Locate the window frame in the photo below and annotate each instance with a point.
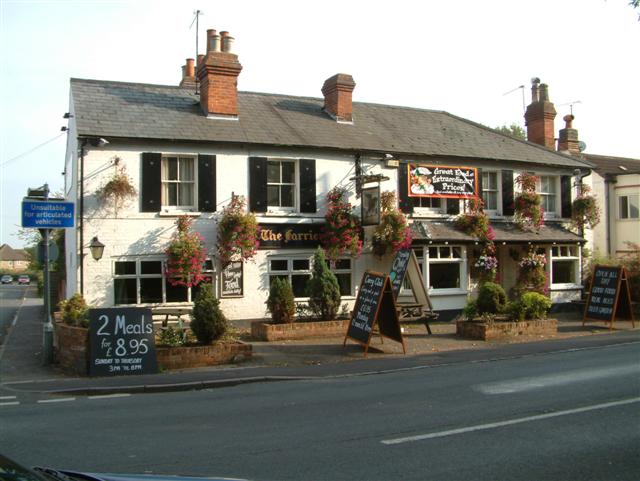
(555, 181)
(420, 211)
(194, 183)
(425, 260)
(296, 185)
(628, 216)
(138, 276)
(290, 271)
(565, 252)
(498, 190)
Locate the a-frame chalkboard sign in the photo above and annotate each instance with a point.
(375, 305)
(609, 296)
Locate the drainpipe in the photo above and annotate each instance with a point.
(83, 143)
(608, 180)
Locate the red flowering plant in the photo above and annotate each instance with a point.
(341, 232)
(185, 255)
(238, 232)
(475, 222)
(393, 230)
(529, 214)
(585, 210)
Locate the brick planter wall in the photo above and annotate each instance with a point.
(264, 331)
(71, 350)
(504, 330)
(202, 356)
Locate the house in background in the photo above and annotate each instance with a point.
(616, 183)
(188, 153)
(13, 259)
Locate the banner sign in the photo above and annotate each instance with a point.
(442, 181)
(288, 236)
(47, 214)
(609, 296)
(121, 342)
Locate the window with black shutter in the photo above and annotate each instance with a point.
(404, 201)
(206, 183)
(508, 206)
(150, 191)
(565, 196)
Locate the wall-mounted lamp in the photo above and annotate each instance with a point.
(67, 115)
(390, 161)
(97, 248)
(64, 129)
(98, 142)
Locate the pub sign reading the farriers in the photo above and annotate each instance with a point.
(442, 181)
(121, 342)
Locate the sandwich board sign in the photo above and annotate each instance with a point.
(375, 306)
(121, 342)
(609, 296)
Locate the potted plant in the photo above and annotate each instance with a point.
(341, 232)
(280, 302)
(584, 210)
(532, 275)
(238, 232)
(118, 189)
(185, 255)
(529, 214)
(393, 230)
(323, 289)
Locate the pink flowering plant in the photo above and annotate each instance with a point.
(585, 210)
(238, 232)
(341, 232)
(529, 213)
(533, 276)
(185, 255)
(393, 230)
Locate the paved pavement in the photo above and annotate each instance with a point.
(21, 368)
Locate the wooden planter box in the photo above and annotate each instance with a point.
(71, 348)
(223, 352)
(506, 329)
(265, 331)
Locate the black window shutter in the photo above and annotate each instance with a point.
(404, 201)
(151, 182)
(308, 185)
(508, 206)
(206, 183)
(479, 191)
(258, 184)
(565, 195)
(453, 206)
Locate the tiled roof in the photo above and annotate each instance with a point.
(441, 231)
(129, 110)
(8, 253)
(605, 164)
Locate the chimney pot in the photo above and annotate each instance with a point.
(190, 69)
(227, 44)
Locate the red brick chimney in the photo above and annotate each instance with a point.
(568, 138)
(539, 116)
(337, 92)
(188, 75)
(218, 75)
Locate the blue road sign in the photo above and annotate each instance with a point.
(47, 214)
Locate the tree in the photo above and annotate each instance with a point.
(514, 130)
(208, 322)
(323, 289)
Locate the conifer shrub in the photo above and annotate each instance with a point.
(280, 302)
(208, 322)
(323, 289)
(491, 299)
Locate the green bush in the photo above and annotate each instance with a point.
(208, 322)
(491, 299)
(75, 311)
(531, 305)
(470, 311)
(171, 337)
(323, 289)
(280, 302)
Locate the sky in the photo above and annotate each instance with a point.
(467, 57)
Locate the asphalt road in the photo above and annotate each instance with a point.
(10, 299)
(567, 415)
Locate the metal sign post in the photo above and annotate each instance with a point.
(44, 214)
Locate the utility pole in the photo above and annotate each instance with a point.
(47, 327)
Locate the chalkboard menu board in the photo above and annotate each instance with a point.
(121, 342)
(399, 269)
(375, 303)
(232, 280)
(609, 295)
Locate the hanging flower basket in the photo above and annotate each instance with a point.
(238, 232)
(392, 232)
(118, 189)
(341, 232)
(185, 255)
(585, 210)
(529, 213)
